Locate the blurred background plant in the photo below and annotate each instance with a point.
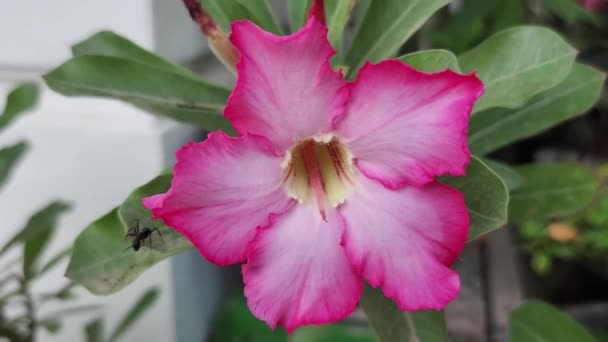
(20, 317)
(94, 330)
(532, 321)
(582, 236)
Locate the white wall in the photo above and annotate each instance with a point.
(91, 152)
(37, 34)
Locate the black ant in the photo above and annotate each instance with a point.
(140, 236)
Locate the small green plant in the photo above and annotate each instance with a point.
(15, 283)
(19, 274)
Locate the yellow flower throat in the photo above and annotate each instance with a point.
(319, 170)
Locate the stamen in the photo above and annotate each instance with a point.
(337, 159)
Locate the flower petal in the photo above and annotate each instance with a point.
(286, 89)
(223, 189)
(297, 272)
(406, 127)
(404, 240)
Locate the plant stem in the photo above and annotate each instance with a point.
(30, 309)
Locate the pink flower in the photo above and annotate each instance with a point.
(594, 5)
(330, 182)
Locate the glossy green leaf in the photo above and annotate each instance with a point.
(37, 226)
(386, 26)
(539, 322)
(110, 44)
(432, 60)
(393, 325)
(139, 308)
(297, 11)
(509, 175)
(101, 258)
(21, 99)
(512, 74)
(37, 234)
(263, 14)
(8, 159)
(577, 94)
(333, 333)
(486, 196)
(338, 13)
(94, 330)
(551, 190)
(157, 90)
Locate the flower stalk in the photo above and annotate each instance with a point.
(219, 41)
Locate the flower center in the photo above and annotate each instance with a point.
(319, 169)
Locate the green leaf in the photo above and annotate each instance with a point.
(157, 90)
(297, 11)
(541, 262)
(360, 11)
(8, 159)
(513, 74)
(38, 225)
(432, 60)
(21, 99)
(224, 12)
(235, 323)
(110, 44)
(509, 14)
(486, 196)
(94, 330)
(36, 235)
(509, 175)
(386, 26)
(391, 324)
(101, 259)
(264, 16)
(540, 322)
(462, 29)
(551, 190)
(577, 94)
(571, 11)
(338, 12)
(332, 333)
(139, 308)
